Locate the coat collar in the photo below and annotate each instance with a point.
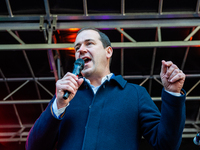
(120, 80)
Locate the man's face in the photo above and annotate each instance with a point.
(89, 47)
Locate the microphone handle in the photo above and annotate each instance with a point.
(66, 95)
(75, 71)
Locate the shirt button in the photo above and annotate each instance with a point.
(90, 106)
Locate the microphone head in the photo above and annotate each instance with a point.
(78, 66)
(79, 62)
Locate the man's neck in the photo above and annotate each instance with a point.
(96, 80)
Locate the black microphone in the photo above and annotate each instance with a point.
(78, 67)
(196, 139)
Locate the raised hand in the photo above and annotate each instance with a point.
(172, 77)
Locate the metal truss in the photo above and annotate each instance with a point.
(119, 16)
(50, 22)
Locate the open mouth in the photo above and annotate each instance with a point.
(86, 60)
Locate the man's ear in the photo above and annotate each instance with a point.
(109, 52)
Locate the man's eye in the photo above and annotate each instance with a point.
(76, 48)
(89, 43)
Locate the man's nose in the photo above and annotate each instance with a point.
(82, 49)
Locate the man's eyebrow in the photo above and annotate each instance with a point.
(87, 40)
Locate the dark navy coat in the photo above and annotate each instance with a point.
(115, 118)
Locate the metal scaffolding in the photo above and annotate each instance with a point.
(121, 22)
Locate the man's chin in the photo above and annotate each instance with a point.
(85, 72)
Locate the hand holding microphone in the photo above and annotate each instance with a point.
(67, 87)
(78, 67)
